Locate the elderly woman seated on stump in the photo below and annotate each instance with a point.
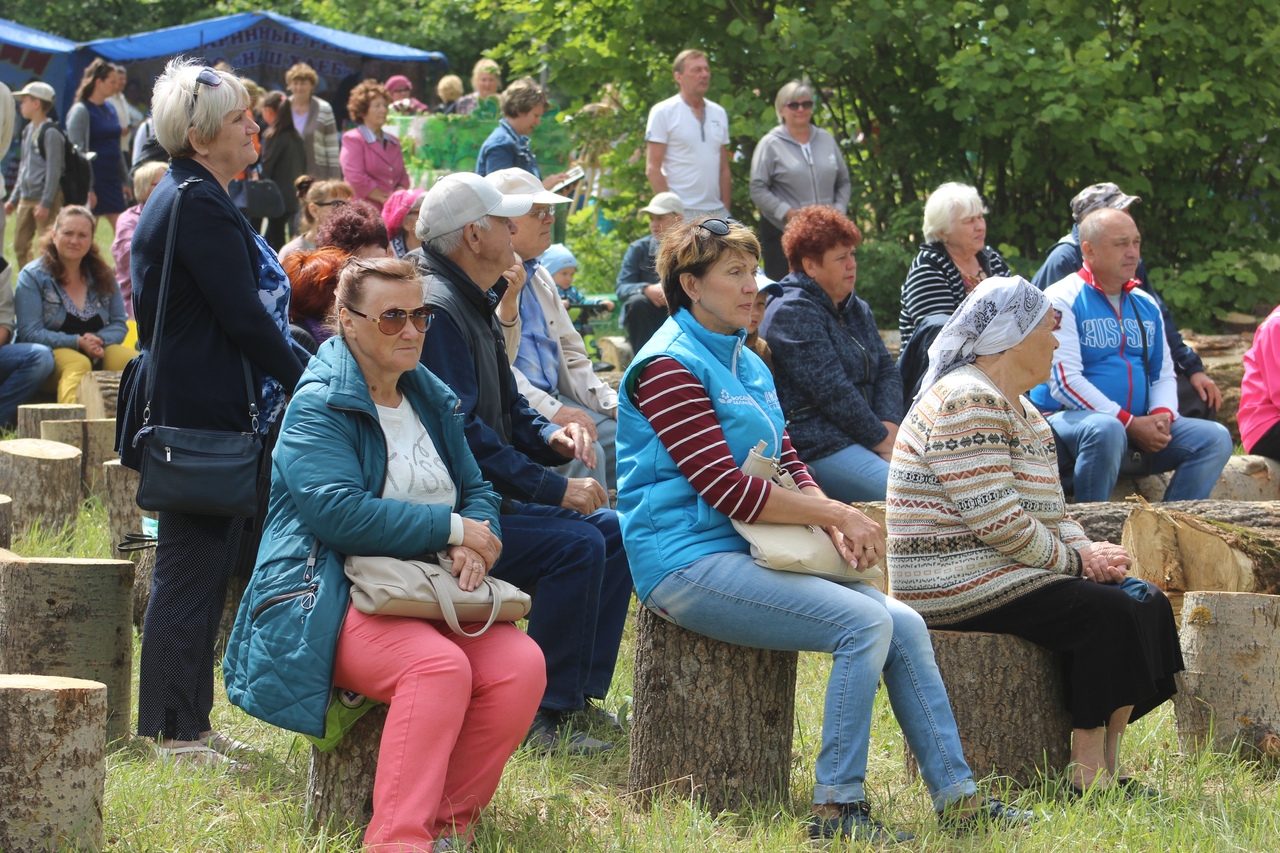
(693, 406)
(979, 539)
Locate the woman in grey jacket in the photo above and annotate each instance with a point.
(795, 165)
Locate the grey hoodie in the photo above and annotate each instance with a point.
(782, 177)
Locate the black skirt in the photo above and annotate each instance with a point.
(1116, 650)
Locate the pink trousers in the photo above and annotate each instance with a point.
(458, 708)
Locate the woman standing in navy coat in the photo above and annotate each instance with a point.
(227, 297)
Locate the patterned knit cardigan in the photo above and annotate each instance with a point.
(976, 516)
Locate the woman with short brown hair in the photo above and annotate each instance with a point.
(371, 159)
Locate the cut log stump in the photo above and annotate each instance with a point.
(70, 617)
(712, 720)
(616, 350)
(52, 763)
(1009, 700)
(1180, 553)
(31, 415)
(43, 478)
(144, 569)
(120, 487)
(98, 393)
(6, 521)
(1248, 478)
(340, 783)
(1228, 698)
(95, 440)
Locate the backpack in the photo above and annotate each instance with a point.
(77, 170)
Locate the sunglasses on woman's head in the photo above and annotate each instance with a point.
(799, 105)
(391, 322)
(208, 77)
(333, 202)
(718, 227)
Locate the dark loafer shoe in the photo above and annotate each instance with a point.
(854, 822)
(989, 813)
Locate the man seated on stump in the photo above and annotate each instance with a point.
(1112, 396)
(548, 356)
(1198, 395)
(558, 535)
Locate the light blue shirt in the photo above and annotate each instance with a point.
(539, 355)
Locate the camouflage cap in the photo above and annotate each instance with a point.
(1097, 197)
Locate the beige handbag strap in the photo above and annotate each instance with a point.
(451, 615)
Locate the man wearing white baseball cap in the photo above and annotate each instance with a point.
(555, 535)
(548, 356)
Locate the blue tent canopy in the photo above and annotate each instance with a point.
(192, 37)
(13, 33)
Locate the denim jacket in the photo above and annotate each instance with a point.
(41, 310)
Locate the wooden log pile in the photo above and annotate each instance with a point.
(1182, 553)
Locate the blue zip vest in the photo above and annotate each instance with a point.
(666, 525)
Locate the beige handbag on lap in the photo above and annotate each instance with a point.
(801, 548)
(389, 587)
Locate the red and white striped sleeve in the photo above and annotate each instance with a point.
(677, 407)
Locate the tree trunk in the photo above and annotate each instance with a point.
(52, 763)
(1228, 697)
(1009, 700)
(340, 783)
(1180, 553)
(96, 441)
(98, 392)
(1104, 521)
(31, 415)
(6, 522)
(70, 617)
(712, 720)
(43, 478)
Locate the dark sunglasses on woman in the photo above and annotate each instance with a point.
(391, 322)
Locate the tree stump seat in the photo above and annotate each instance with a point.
(31, 415)
(712, 721)
(70, 617)
(1009, 700)
(95, 439)
(43, 478)
(340, 782)
(52, 763)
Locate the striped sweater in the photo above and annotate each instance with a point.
(935, 285)
(975, 514)
(677, 406)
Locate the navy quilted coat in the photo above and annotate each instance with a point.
(326, 476)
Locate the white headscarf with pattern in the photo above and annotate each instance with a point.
(997, 315)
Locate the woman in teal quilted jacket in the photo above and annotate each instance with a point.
(371, 460)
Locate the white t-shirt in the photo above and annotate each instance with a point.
(692, 161)
(300, 118)
(415, 471)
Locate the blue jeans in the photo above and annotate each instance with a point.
(23, 369)
(852, 474)
(575, 568)
(1094, 444)
(728, 597)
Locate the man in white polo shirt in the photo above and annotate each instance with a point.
(688, 142)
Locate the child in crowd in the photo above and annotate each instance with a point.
(37, 198)
(563, 266)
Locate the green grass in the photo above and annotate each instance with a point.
(558, 804)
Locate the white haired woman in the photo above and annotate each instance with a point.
(795, 165)
(950, 264)
(979, 539)
(227, 297)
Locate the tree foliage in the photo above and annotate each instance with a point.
(1175, 100)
